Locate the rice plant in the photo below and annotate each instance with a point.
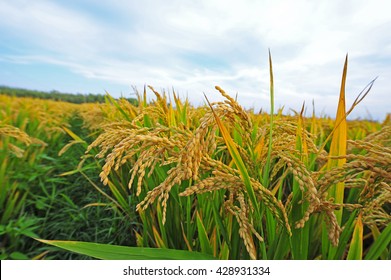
(222, 182)
(232, 184)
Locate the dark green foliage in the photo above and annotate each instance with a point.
(57, 96)
(59, 207)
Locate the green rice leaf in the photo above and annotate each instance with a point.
(115, 103)
(380, 244)
(356, 245)
(339, 143)
(203, 236)
(114, 252)
(233, 151)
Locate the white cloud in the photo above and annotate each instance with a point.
(194, 45)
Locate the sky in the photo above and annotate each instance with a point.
(91, 46)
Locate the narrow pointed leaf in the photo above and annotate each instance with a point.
(114, 252)
(380, 244)
(233, 151)
(339, 143)
(356, 245)
(203, 236)
(115, 103)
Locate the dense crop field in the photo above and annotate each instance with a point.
(211, 182)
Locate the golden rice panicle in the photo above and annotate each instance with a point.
(374, 162)
(146, 159)
(220, 180)
(94, 115)
(20, 136)
(141, 142)
(369, 170)
(196, 148)
(161, 101)
(246, 229)
(175, 176)
(235, 114)
(374, 207)
(187, 165)
(16, 133)
(334, 230)
(302, 176)
(381, 137)
(193, 157)
(238, 110)
(274, 205)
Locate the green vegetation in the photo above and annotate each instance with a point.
(57, 96)
(167, 180)
(36, 200)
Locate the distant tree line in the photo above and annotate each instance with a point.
(57, 96)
